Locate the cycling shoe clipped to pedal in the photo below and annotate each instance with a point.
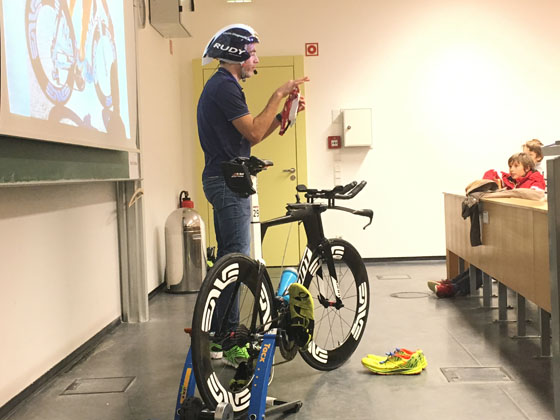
(243, 376)
(302, 320)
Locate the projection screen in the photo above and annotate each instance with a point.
(68, 72)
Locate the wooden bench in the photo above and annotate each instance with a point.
(514, 251)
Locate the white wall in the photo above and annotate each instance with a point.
(59, 266)
(59, 274)
(165, 158)
(455, 86)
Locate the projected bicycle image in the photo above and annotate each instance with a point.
(73, 54)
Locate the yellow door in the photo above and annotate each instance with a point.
(277, 184)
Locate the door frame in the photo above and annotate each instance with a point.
(296, 62)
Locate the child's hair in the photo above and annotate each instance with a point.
(534, 146)
(524, 159)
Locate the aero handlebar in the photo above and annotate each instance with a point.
(340, 192)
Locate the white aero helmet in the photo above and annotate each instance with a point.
(229, 44)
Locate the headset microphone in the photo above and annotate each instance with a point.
(255, 72)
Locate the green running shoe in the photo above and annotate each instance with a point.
(301, 315)
(404, 353)
(216, 351)
(394, 365)
(235, 356)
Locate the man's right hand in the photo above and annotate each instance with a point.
(287, 87)
(258, 128)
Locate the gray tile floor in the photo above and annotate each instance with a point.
(452, 332)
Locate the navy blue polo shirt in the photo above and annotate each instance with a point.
(221, 102)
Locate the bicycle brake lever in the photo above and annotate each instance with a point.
(366, 213)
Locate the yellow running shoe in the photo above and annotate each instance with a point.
(402, 353)
(394, 365)
(301, 315)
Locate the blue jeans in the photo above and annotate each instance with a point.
(232, 223)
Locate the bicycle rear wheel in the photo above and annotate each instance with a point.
(337, 332)
(213, 377)
(104, 63)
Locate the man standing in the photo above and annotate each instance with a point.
(227, 130)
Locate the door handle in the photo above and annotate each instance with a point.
(290, 170)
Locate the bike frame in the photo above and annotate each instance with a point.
(310, 215)
(266, 317)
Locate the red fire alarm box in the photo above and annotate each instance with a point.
(334, 142)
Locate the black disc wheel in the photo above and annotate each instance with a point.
(233, 279)
(338, 331)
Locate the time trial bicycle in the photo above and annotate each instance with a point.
(331, 269)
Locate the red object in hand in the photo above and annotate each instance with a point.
(290, 110)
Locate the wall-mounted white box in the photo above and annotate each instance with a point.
(357, 127)
(165, 17)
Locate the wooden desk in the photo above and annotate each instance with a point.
(515, 244)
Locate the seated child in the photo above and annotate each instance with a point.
(522, 174)
(533, 149)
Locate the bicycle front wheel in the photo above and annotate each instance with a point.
(51, 46)
(213, 377)
(337, 332)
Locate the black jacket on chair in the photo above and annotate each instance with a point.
(470, 206)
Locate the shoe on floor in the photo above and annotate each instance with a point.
(235, 356)
(445, 290)
(301, 315)
(394, 365)
(432, 284)
(404, 353)
(216, 351)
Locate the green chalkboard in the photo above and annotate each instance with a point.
(24, 161)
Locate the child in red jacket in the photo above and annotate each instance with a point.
(522, 174)
(534, 149)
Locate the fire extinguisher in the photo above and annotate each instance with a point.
(185, 201)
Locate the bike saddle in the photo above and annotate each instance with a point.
(237, 173)
(256, 165)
